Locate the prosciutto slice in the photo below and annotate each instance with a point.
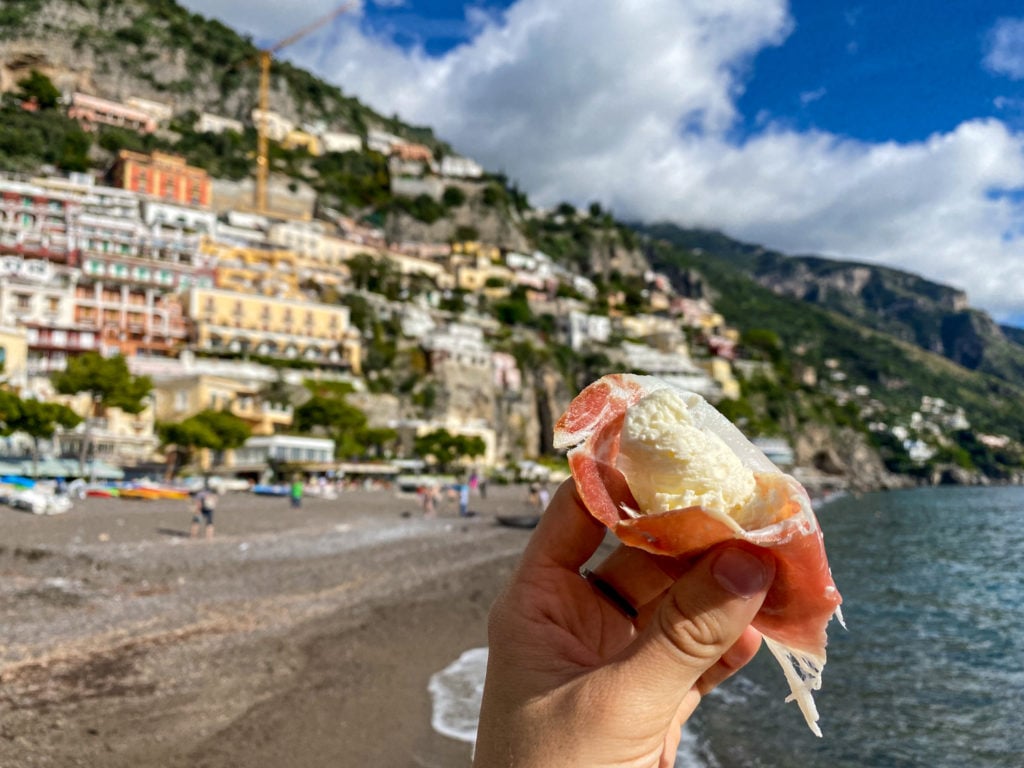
(803, 596)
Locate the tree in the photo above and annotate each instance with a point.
(35, 418)
(444, 447)
(40, 420)
(107, 380)
(213, 430)
(39, 88)
(110, 385)
(346, 425)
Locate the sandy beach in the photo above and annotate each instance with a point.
(296, 637)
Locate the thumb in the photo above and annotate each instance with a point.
(700, 618)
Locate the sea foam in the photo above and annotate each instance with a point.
(456, 692)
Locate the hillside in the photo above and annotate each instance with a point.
(881, 377)
(907, 307)
(156, 49)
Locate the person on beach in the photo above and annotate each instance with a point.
(543, 498)
(295, 492)
(205, 502)
(463, 500)
(603, 668)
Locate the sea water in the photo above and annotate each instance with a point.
(929, 673)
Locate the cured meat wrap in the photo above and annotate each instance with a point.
(669, 474)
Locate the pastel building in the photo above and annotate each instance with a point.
(36, 222)
(211, 123)
(179, 398)
(239, 323)
(92, 111)
(163, 176)
(337, 141)
(460, 167)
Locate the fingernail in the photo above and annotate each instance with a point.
(740, 572)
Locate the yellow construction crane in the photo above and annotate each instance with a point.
(262, 159)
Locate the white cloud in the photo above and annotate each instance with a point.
(1005, 49)
(585, 100)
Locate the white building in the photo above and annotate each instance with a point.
(381, 141)
(311, 240)
(417, 322)
(277, 126)
(210, 123)
(460, 343)
(34, 295)
(582, 329)
(674, 367)
(158, 110)
(160, 214)
(336, 141)
(461, 167)
(291, 449)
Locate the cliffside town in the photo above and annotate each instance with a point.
(383, 265)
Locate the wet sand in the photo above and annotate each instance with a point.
(296, 637)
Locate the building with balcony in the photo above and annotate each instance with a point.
(675, 367)
(36, 222)
(112, 436)
(460, 343)
(254, 270)
(285, 449)
(179, 398)
(92, 111)
(163, 176)
(130, 319)
(158, 110)
(460, 167)
(225, 321)
(313, 241)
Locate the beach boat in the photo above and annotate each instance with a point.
(102, 492)
(270, 490)
(140, 492)
(40, 503)
(518, 521)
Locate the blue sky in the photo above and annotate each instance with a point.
(884, 132)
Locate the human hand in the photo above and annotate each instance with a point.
(572, 681)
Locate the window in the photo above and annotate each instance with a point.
(23, 300)
(180, 401)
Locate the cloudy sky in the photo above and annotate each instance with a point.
(878, 131)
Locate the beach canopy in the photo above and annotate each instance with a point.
(66, 468)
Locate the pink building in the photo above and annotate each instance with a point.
(91, 111)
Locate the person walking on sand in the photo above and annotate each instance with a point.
(205, 503)
(295, 492)
(543, 497)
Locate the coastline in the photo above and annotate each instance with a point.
(294, 637)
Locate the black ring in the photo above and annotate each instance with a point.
(610, 593)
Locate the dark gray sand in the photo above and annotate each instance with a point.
(294, 638)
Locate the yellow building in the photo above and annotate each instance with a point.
(721, 371)
(254, 270)
(296, 139)
(13, 356)
(232, 322)
(494, 280)
(178, 399)
(476, 250)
